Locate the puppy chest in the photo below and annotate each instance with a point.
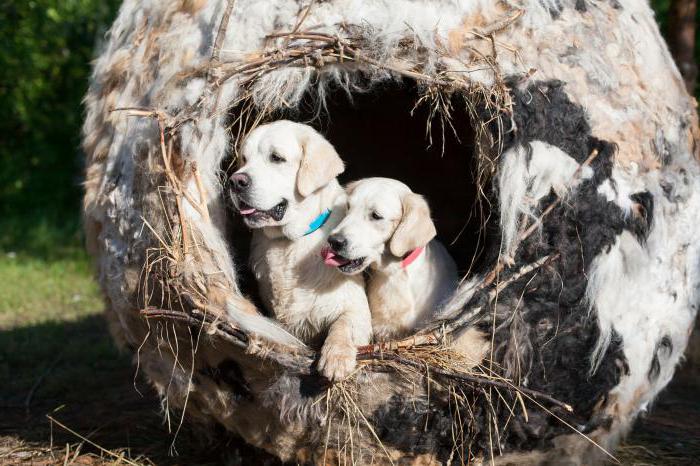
(301, 292)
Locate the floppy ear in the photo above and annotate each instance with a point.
(416, 228)
(350, 187)
(320, 163)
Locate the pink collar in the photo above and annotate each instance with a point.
(412, 256)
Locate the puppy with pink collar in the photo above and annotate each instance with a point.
(388, 232)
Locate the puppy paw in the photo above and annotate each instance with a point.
(337, 360)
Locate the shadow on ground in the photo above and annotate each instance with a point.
(73, 373)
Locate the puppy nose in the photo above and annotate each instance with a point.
(337, 242)
(241, 181)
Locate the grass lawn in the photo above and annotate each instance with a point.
(35, 291)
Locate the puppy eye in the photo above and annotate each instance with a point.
(376, 216)
(276, 158)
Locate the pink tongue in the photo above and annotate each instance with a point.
(330, 258)
(247, 211)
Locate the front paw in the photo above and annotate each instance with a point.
(337, 360)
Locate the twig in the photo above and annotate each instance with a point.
(501, 24)
(468, 378)
(300, 21)
(39, 380)
(174, 181)
(202, 192)
(436, 334)
(298, 363)
(221, 33)
(536, 224)
(87, 440)
(222, 328)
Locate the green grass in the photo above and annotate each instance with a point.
(35, 290)
(49, 309)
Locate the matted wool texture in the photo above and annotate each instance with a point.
(586, 149)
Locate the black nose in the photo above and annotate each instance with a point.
(337, 242)
(240, 181)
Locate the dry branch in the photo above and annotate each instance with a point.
(221, 33)
(378, 357)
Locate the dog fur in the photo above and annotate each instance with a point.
(291, 162)
(385, 222)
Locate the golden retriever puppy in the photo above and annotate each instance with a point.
(287, 192)
(388, 229)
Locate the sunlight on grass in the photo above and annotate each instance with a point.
(36, 290)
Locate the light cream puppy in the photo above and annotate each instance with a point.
(286, 190)
(388, 229)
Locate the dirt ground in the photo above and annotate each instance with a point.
(65, 405)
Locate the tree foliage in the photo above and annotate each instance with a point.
(45, 58)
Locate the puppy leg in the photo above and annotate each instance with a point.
(339, 352)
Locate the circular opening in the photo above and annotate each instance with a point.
(393, 131)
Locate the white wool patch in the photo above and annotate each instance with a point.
(620, 187)
(465, 292)
(526, 176)
(647, 292)
(262, 327)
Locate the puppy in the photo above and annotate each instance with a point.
(388, 229)
(287, 192)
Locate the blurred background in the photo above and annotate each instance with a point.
(56, 359)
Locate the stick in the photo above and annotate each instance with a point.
(446, 327)
(202, 192)
(468, 378)
(224, 329)
(174, 181)
(221, 33)
(39, 380)
(87, 440)
(536, 224)
(298, 363)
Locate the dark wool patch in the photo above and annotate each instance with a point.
(542, 111)
(664, 348)
(544, 331)
(311, 386)
(554, 8)
(644, 217)
(230, 373)
(546, 316)
(581, 6)
(416, 427)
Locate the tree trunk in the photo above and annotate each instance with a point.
(681, 39)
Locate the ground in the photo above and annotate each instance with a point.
(67, 395)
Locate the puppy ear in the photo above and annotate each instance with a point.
(416, 228)
(320, 163)
(350, 187)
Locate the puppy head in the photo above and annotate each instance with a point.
(383, 216)
(282, 163)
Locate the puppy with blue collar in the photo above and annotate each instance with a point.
(388, 232)
(286, 191)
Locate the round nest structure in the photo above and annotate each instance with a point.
(556, 143)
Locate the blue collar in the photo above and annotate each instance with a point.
(318, 222)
